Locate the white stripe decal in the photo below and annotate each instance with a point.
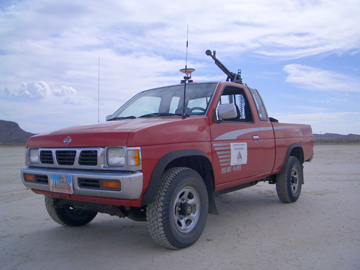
(225, 164)
(223, 152)
(232, 135)
(224, 156)
(288, 127)
(221, 144)
(221, 148)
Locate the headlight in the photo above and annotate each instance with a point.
(116, 157)
(34, 155)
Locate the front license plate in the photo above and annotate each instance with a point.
(61, 183)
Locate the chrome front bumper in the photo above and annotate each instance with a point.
(131, 182)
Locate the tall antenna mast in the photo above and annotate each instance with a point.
(187, 46)
(99, 92)
(187, 72)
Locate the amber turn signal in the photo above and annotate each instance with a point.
(134, 158)
(29, 177)
(111, 185)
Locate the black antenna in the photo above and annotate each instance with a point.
(99, 92)
(187, 72)
(187, 46)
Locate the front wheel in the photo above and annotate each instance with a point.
(289, 182)
(177, 216)
(68, 215)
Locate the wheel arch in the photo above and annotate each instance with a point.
(191, 158)
(294, 150)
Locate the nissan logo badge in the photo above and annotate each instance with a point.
(67, 140)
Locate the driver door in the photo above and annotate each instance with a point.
(234, 141)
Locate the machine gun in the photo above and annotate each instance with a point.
(236, 78)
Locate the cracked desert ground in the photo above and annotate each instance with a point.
(253, 231)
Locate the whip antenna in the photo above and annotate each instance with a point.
(99, 92)
(187, 46)
(187, 72)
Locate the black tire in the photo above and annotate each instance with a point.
(67, 215)
(289, 182)
(177, 216)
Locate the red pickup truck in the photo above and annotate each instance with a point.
(154, 160)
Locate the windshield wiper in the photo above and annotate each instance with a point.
(158, 114)
(122, 118)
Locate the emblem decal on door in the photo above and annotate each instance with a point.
(225, 151)
(238, 153)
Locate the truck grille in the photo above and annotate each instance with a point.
(65, 157)
(79, 158)
(89, 183)
(88, 158)
(42, 179)
(46, 157)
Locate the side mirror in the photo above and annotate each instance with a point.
(108, 117)
(227, 111)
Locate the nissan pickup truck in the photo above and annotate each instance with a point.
(165, 155)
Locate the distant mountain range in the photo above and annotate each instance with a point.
(11, 133)
(336, 138)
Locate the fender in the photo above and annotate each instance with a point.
(160, 167)
(288, 154)
(290, 149)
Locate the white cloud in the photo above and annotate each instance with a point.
(64, 90)
(78, 101)
(39, 91)
(289, 29)
(318, 79)
(30, 90)
(142, 45)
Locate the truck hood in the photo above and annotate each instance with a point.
(132, 132)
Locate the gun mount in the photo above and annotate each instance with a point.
(236, 78)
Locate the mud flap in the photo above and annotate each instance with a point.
(212, 206)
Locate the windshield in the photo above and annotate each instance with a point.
(168, 101)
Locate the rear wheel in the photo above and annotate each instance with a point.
(177, 216)
(289, 182)
(68, 215)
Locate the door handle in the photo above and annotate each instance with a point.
(255, 137)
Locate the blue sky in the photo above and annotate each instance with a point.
(303, 56)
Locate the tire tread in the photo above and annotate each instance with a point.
(59, 215)
(156, 210)
(282, 184)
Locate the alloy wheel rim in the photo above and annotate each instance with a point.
(186, 209)
(294, 180)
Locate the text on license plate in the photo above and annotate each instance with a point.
(61, 183)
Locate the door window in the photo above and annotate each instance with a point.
(259, 104)
(236, 96)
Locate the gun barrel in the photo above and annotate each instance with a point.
(223, 68)
(218, 63)
(231, 76)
